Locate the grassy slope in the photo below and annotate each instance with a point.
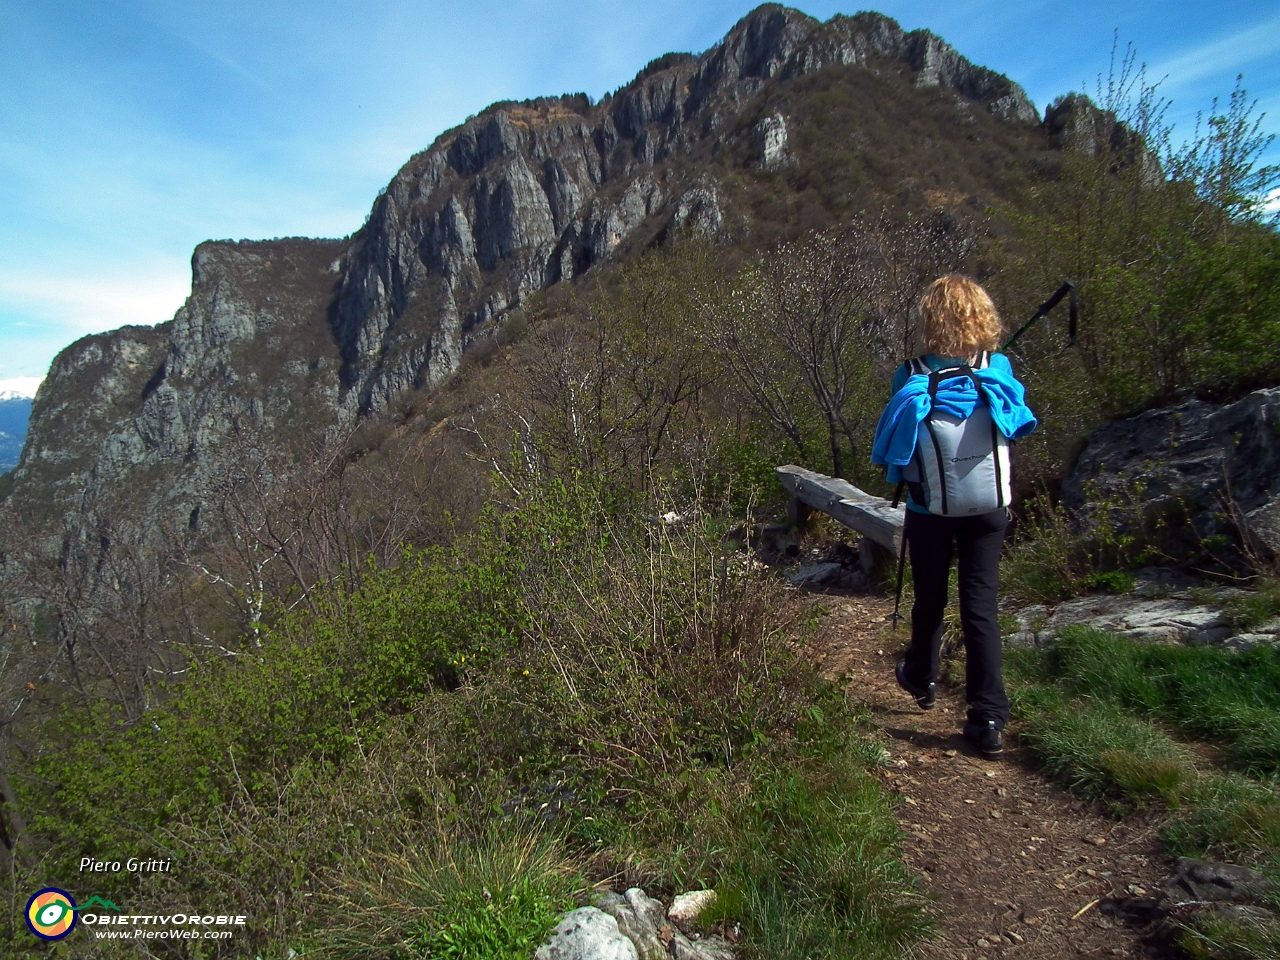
(1191, 729)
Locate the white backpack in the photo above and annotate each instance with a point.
(960, 467)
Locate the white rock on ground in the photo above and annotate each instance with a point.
(687, 907)
(1247, 641)
(1167, 620)
(707, 948)
(587, 934)
(823, 575)
(634, 926)
(1030, 621)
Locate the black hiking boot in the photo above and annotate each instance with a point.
(986, 737)
(924, 697)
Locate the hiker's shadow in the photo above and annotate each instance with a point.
(929, 741)
(934, 742)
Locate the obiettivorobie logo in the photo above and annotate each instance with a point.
(51, 913)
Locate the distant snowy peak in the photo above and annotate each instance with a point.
(19, 388)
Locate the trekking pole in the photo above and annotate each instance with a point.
(902, 562)
(1073, 314)
(897, 599)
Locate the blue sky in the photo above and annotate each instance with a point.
(130, 130)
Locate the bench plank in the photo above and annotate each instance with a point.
(873, 517)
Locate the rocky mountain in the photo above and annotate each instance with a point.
(284, 342)
(15, 412)
(137, 418)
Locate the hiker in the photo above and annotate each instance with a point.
(945, 436)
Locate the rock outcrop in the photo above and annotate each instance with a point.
(1077, 122)
(526, 195)
(1214, 470)
(286, 339)
(1199, 891)
(771, 142)
(1163, 607)
(1199, 477)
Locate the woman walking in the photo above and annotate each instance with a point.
(945, 435)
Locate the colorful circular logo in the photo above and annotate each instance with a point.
(51, 913)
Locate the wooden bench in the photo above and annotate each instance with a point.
(875, 518)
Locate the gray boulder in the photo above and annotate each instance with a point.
(1247, 641)
(704, 948)
(1198, 891)
(1031, 621)
(1168, 620)
(1263, 525)
(819, 575)
(1165, 606)
(1208, 882)
(642, 923)
(640, 920)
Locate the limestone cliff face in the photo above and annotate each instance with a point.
(281, 340)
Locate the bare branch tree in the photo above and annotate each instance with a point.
(806, 328)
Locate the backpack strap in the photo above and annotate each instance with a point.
(897, 494)
(949, 373)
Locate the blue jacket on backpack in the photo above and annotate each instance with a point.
(895, 439)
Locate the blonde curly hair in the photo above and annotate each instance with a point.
(958, 318)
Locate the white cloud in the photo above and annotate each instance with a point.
(86, 303)
(16, 387)
(1225, 55)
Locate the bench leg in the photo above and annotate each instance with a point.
(876, 560)
(798, 512)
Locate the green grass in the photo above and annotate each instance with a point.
(1230, 698)
(1230, 938)
(812, 861)
(1095, 748)
(1115, 719)
(495, 897)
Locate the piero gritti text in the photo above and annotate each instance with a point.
(131, 865)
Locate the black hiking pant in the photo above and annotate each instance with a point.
(931, 540)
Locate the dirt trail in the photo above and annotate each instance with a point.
(1018, 866)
